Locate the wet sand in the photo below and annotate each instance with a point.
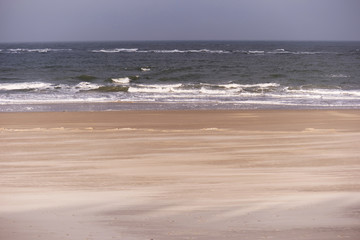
(274, 174)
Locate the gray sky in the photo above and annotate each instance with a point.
(78, 20)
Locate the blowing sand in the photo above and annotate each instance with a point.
(180, 175)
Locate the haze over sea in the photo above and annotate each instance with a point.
(179, 75)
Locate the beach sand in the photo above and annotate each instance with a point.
(161, 175)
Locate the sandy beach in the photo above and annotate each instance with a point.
(168, 175)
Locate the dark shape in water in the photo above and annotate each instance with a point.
(277, 75)
(86, 77)
(112, 89)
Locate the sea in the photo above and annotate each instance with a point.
(171, 75)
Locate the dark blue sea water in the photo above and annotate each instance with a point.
(179, 75)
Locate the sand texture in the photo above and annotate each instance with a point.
(164, 175)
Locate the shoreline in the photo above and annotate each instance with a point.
(161, 106)
(174, 174)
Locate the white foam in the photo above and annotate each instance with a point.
(325, 93)
(116, 50)
(124, 80)
(230, 85)
(258, 85)
(38, 50)
(145, 69)
(140, 88)
(188, 51)
(52, 100)
(311, 53)
(207, 51)
(279, 51)
(217, 92)
(25, 86)
(85, 86)
(338, 76)
(256, 52)
(168, 51)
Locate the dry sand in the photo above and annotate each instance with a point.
(180, 175)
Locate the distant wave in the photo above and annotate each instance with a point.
(35, 50)
(136, 50)
(166, 51)
(173, 51)
(115, 50)
(338, 76)
(189, 51)
(281, 51)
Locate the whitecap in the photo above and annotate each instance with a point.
(210, 91)
(144, 69)
(141, 88)
(260, 85)
(167, 51)
(85, 86)
(255, 52)
(124, 80)
(25, 86)
(188, 51)
(207, 51)
(36, 50)
(279, 51)
(116, 50)
(338, 76)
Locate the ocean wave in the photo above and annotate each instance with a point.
(209, 51)
(116, 50)
(35, 50)
(136, 50)
(256, 52)
(159, 88)
(260, 85)
(323, 93)
(86, 86)
(225, 89)
(279, 51)
(189, 51)
(125, 80)
(338, 75)
(25, 86)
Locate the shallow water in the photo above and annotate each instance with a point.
(178, 75)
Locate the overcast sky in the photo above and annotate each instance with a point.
(94, 20)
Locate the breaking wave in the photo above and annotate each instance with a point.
(125, 80)
(115, 50)
(136, 50)
(24, 86)
(35, 50)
